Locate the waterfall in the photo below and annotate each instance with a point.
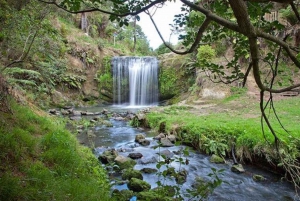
(135, 80)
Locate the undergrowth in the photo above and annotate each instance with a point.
(40, 160)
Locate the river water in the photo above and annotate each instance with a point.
(237, 187)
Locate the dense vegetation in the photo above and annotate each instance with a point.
(40, 160)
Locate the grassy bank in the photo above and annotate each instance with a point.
(233, 122)
(40, 160)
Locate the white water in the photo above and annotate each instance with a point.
(135, 81)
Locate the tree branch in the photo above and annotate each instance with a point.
(196, 42)
(105, 11)
(295, 10)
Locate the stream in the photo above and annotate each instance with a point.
(239, 187)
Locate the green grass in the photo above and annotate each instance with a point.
(40, 160)
(218, 131)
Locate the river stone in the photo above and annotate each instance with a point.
(141, 116)
(75, 118)
(155, 194)
(131, 173)
(172, 138)
(139, 137)
(137, 185)
(181, 176)
(108, 156)
(238, 168)
(148, 160)
(76, 113)
(124, 194)
(258, 177)
(135, 155)
(167, 153)
(148, 170)
(216, 159)
(119, 118)
(64, 112)
(159, 136)
(105, 111)
(124, 162)
(165, 142)
(144, 142)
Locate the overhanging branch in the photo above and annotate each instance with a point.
(105, 11)
(196, 42)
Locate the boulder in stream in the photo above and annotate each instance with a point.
(216, 159)
(139, 137)
(131, 173)
(165, 142)
(135, 155)
(159, 136)
(172, 138)
(238, 168)
(148, 160)
(181, 176)
(148, 170)
(124, 162)
(137, 185)
(144, 142)
(124, 194)
(167, 153)
(108, 156)
(258, 177)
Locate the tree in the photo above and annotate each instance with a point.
(241, 22)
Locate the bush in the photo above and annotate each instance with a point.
(205, 54)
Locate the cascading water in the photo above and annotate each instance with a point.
(135, 80)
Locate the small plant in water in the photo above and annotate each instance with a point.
(201, 188)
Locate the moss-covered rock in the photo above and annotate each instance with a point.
(139, 137)
(153, 196)
(124, 162)
(216, 159)
(123, 195)
(258, 177)
(238, 168)
(131, 173)
(108, 156)
(138, 185)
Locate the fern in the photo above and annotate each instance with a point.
(20, 81)
(17, 70)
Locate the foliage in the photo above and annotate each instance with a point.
(40, 160)
(162, 49)
(199, 191)
(168, 82)
(205, 54)
(104, 75)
